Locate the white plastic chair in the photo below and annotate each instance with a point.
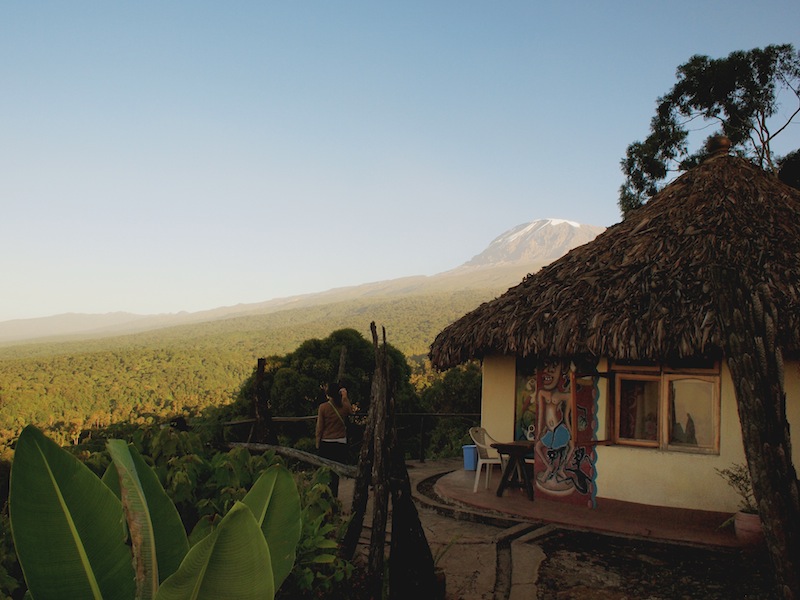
(486, 454)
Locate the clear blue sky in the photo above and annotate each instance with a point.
(166, 156)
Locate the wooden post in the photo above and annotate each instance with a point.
(380, 506)
(382, 462)
(411, 568)
(264, 431)
(301, 455)
(340, 373)
(259, 403)
(347, 548)
(422, 438)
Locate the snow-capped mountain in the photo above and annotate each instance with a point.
(512, 255)
(541, 240)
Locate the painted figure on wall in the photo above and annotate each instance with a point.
(554, 444)
(564, 460)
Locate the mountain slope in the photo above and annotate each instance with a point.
(102, 376)
(540, 241)
(509, 257)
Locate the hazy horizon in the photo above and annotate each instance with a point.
(473, 262)
(160, 158)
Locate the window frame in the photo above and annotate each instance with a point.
(667, 378)
(665, 375)
(618, 408)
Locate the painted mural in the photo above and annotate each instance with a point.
(564, 453)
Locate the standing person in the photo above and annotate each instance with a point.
(332, 430)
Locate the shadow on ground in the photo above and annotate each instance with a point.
(554, 562)
(593, 566)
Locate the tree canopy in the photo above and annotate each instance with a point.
(737, 96)
(295, 383)
(64, 386)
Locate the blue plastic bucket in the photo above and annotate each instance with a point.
(470, 457)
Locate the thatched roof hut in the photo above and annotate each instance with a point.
(643, 290)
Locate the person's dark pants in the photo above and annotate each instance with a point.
(337, 452)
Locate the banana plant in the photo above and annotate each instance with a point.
(68, 527)
(233, 561)
(157, 536)
(79, 537)
(275, 503)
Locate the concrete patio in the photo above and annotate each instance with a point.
(609, 516)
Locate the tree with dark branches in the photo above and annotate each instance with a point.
(736, 96)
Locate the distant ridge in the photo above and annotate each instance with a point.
(508, 258)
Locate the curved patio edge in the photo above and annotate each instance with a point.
(452, 495)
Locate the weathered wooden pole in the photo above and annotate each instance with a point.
(347, 547)
(264, 431)
(411, 568)
(381, 463)
(340, 372)
(380, 504)
(259, 403)
(301, 455)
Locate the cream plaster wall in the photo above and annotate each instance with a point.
(679, 479)
(792, 382)
(646, 475)
(498, 389)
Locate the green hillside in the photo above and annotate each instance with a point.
(65, 386)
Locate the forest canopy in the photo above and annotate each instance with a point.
(70, 386)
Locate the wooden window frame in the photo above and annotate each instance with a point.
(712, 370)
(664, 377)
(620, 377)
(715, 412)
(625, 367)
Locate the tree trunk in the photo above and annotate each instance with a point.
(748, 319)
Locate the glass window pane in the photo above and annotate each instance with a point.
(638, 409)
(691, 408)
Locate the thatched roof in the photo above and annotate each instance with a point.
(643, 290)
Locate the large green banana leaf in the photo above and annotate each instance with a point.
(157, 535)
(67, 525)
(232, 562)
(275, 503)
